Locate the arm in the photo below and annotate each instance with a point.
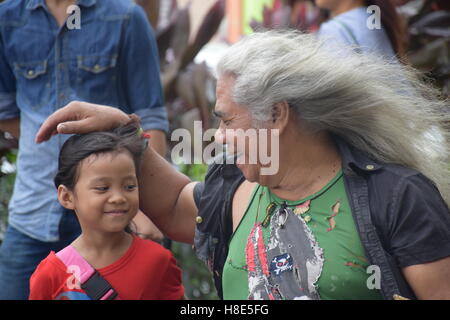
(430, 281)
(158, 141)
(146, 229)
(173, 212)
(11, 126)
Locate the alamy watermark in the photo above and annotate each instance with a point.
(74, 18)
(374, 21)
(251, 146)
(374, 280)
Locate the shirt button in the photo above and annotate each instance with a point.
(199, 219)
(96, 67)
(30, 72)
(370, 167)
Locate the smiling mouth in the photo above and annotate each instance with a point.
(116, 212)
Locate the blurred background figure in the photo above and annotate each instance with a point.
(349, 23)
(47, 59)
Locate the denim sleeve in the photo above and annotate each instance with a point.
(420, 232)
(8, 107)
(140, 73)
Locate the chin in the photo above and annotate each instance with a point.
(250, 172)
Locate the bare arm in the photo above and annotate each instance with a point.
(145, 228)
(11, 126)
(158, 141)
(430, 281)
(166, 196)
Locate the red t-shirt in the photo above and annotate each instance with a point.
(147, 271)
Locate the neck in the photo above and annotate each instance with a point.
(345, 6)
(100, 243)
(307, 164)
(58, 8)
(59, 3)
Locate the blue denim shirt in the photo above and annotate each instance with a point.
(112, 59)
(351, 28)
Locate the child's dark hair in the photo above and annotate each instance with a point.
(81, 146)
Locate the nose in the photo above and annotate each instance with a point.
(117, 196)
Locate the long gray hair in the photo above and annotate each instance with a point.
(381, 107)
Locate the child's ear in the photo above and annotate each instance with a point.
(65, 197)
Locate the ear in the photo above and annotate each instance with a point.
(65, 197)
(280, 116)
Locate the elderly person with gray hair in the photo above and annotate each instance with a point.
(356, 209)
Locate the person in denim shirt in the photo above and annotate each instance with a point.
(111, 59)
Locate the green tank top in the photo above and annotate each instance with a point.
(328, 216)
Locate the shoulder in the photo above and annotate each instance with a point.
(333, 29)
(401, 181)
(49, 275)
(410, 213)
(393, 186)
(50, 264)
(218, 176)
(116, 8)
(11, 11)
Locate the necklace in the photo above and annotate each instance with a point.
(298, 209)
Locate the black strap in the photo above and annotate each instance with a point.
(96, 287)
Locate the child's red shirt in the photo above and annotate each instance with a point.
(147, 271)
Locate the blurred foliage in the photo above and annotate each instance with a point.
(297, 14)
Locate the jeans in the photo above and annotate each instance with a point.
(20, 255)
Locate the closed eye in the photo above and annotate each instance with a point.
(101, 189)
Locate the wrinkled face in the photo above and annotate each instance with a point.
(105, 197)
(236, 129)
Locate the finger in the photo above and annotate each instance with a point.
(49, 126)
(78, 126)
